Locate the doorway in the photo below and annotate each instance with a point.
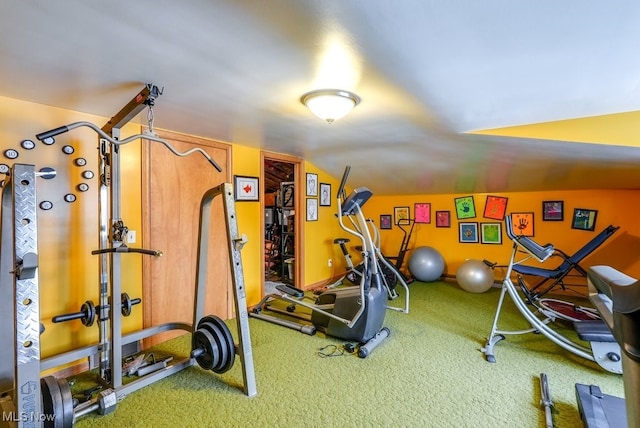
(281, 226)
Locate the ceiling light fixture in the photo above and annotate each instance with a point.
(330, 104)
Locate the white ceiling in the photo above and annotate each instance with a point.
(426, 71)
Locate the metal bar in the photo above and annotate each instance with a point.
(7, 299)
(27, 397)
(145, 97)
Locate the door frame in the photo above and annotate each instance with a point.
(298, 239)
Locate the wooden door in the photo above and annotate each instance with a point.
(171, 205)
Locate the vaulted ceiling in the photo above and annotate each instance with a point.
(428, 73)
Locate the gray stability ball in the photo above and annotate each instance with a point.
(426, 264)
(474, 276)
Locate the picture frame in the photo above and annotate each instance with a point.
(584, 219)
(522, 224)
(443, 218)
(468, 232)
(400, 214)
(246, 188)
(491, 233)
(312, 184)
(552, 210)
(325, 194)
(422, 212)
(385, 221)
(312, 209)
(495, 207)
(465, 207)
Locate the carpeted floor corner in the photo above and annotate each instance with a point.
(430, 372)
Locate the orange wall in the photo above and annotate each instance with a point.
(617, 207)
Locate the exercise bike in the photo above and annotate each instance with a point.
(352, 313)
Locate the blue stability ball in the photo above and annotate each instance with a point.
(474, 276)
(426, 264)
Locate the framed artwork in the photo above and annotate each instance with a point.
(584, 219)
(312, 209)
(325, 195)
(422, 212)
(400, 214)
(312, 184)
(465, 207)
(287, 194)
(491, 233)
(443, 218)
(522, 224)
(246, 188)
(385, 221)
(495, 207)
(468, 232)
(552, 210)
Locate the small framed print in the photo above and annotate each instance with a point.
(443, 218)
(465, 208)
(468, 232)
(553, 210)
(385, 221)
(522, 224)
(246, 188)
(422, 212)
(312, 209)
(325, 194)
(584, 219)
(312, 184)
(491, 233)
(401, 215)
(495, 207)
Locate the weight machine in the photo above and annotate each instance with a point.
(26, 399)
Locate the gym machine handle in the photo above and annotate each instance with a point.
(125, 249)
(52, 133)
(147, 135)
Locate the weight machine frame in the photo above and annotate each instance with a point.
(19, 263)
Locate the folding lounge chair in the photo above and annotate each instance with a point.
(553, 277)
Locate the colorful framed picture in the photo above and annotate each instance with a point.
(584, 219)
(325, 194)
(468, 232)
(552, 210)
(385, 221)
(312, 184)
(401, 214)
(422, 212)
(491, 233)
(443, 218)
(246, 188)
(465, 208)
(522, 224)
(312, 209)
(495, 207)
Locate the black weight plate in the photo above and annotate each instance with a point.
(52, 402)
(218, 336)
(125, 302)
(67, 403)
(228, 338)
(202, 339)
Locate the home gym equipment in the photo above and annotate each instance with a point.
(545, 400)
(603, 348)
(426, 264)
(350, 313)
(26, 398)
(617, 298)
(474, 276)
(550, 278)
(398, 260)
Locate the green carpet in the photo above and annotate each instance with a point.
(430, 372)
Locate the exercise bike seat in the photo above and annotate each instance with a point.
(341, 241)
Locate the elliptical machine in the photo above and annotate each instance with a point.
(352, 313)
